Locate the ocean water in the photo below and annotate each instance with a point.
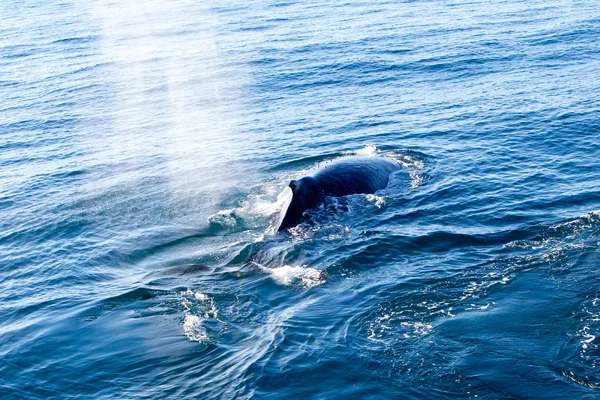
(145, 149)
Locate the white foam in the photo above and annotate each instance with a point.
(288, 275)
(413, 165)
(197, 307)
(201, 297)
(377, 201)
(193, 329)
(223, 217)
(367, 151)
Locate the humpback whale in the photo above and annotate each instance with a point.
(348, 175)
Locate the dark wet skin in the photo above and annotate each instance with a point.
(350, 175)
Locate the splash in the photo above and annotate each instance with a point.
(193, 329)
(377, 201)
(197, 308)
(253, 212)
(288, 275)
(367, 151)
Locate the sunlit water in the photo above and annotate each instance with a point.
(145, 149)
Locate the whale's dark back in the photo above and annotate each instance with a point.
(350, 175)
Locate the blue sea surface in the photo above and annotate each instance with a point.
(145, 152)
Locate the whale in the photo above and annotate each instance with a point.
(342, 177)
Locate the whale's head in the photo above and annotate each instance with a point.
(306, 195)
